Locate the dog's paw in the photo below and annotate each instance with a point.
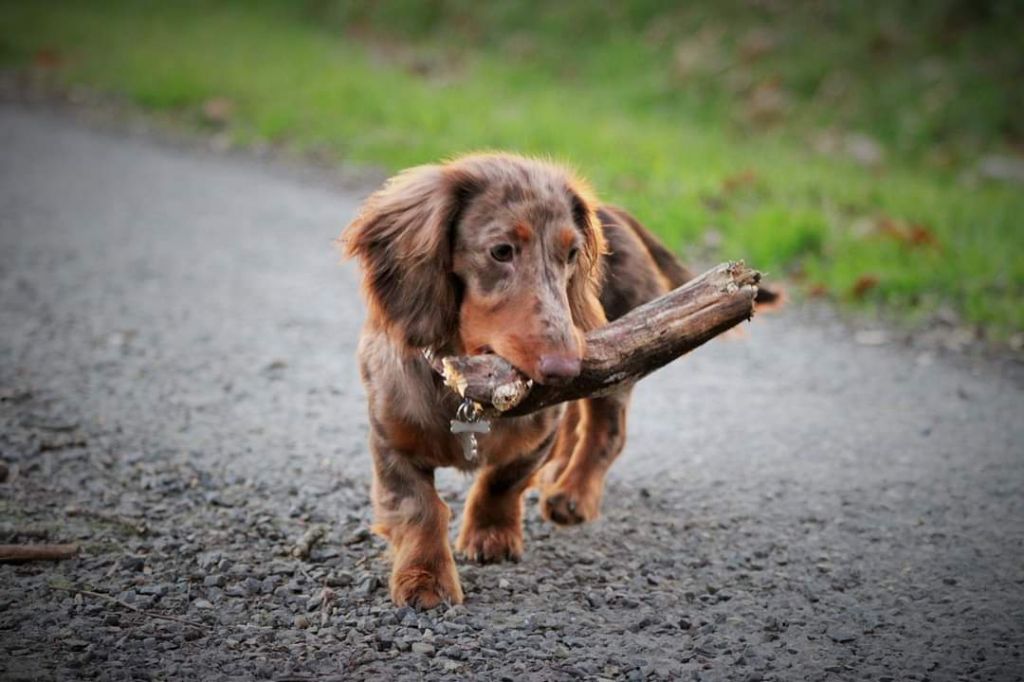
(491, 545)
(569, 506)
(421, 588)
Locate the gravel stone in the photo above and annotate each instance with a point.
(367, 586)
(213, 581)
(842, 636)
(423, 648)
(131, 563)
(154, 590)
(340, 579)
(208, 560)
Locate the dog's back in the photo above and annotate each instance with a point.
(637, 267)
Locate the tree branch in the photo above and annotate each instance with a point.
(19, 553)
(622, 352)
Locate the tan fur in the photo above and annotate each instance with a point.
(426, 242)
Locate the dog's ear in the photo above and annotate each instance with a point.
(585, 284)
(403, 239)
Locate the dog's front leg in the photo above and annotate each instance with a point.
(414, 519)
(575, 496)
(492, 528)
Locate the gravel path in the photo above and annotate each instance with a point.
(178, 395)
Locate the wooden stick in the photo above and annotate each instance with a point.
(136, 609)
(622, 352)
(18, 553)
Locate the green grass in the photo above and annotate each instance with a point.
(653, 104)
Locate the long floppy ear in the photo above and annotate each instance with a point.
(585, 284)
(403, 239)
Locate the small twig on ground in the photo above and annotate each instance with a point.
(136, 609)
(327, 596)
(17, 553)
(302, 569)
(308, 540)
(137, 527)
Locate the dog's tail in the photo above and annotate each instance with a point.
(768, 296)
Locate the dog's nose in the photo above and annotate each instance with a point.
(558, 369)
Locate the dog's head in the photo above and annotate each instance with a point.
(487, 253)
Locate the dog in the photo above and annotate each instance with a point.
(490, 253)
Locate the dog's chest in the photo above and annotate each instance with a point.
(517, 436)
(415, 411)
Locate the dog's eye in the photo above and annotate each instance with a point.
(574, 253)
(502, 253)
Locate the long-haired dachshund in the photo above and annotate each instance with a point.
(490, 253)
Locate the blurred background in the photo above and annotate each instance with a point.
(871, 153)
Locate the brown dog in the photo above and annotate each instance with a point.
(490, 253)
